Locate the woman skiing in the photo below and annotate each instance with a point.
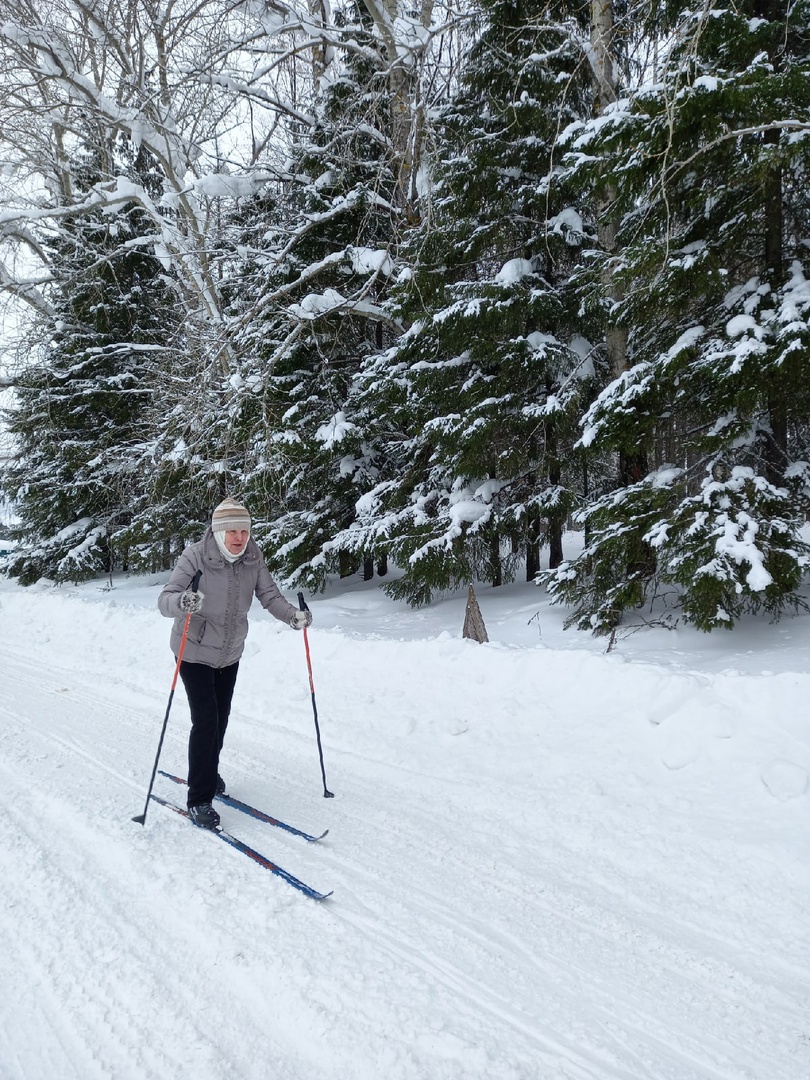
(233, 572)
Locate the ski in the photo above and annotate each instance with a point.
(257, 857)
(246, 808)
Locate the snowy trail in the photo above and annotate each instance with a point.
(521, 891)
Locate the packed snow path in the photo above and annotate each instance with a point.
(548, 864)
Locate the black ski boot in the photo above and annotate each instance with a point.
(221, 789)
(204, 815)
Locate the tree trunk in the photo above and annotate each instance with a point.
(555, 544)
(347, 564)
(603, 43)
(555, 520)
(320, 10)
(533, 533)
(603, 40)
(404, 86)
(495, 567)
(776, 444)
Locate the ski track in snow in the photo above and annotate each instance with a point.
(514, 898)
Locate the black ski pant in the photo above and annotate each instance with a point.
(209, 692)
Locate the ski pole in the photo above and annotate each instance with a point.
(141, 818)
(327, 794)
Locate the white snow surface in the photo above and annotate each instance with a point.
(549, 862)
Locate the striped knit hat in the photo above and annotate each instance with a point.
(230, 515)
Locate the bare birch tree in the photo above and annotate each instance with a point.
(180, 80)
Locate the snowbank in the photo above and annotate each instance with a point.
(549, 863)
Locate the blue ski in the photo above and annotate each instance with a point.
(257, 857)
(246, 808)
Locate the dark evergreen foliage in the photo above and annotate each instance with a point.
(476, 403)
(712, 181)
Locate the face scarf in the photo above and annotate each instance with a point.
(220, 539)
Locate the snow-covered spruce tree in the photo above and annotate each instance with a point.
(188, 459)
(711, 165)
(81, 404)
(474, 408)
(318, 258)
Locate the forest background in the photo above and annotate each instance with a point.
(423, 285)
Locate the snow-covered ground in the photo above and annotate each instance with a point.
(548, 862)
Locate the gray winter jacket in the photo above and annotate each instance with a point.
(216, 635)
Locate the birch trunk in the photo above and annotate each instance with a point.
(399, 25)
